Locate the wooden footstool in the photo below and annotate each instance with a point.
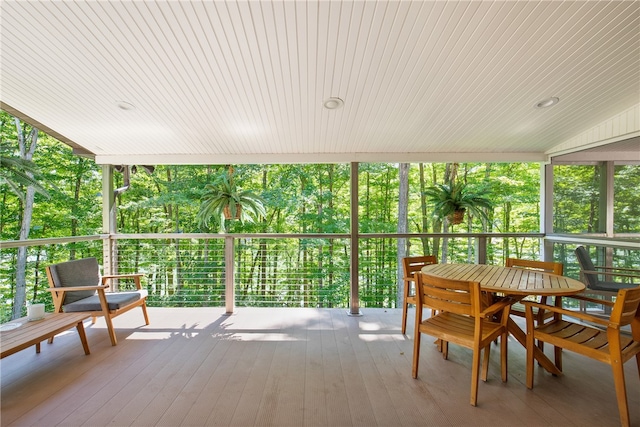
(14, 338)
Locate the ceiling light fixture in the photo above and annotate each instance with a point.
(124, 105)
(546, 103)
(333, 103)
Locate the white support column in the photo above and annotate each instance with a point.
(354, 300)
(108, 220)
(546, 209)
(605, 224)
(481, 250)
(229, 276)
(607, 170)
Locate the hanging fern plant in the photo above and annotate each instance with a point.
(225, 201)
(452, 201)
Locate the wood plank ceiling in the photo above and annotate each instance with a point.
(244, 82)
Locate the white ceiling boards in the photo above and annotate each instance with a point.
(152, 82)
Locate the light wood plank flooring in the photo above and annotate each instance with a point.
(288, 367)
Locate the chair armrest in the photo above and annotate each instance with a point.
(633, 271)
(78, 288)
(589, 299)
(591, 272)
(121, 276)
(609, 271)
(499, 305)
(578, 315)
(135, 276)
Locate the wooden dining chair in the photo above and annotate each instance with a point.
(409, 266)
(543, 266)
(605, 342)
(460, 320)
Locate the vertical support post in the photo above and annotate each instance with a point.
(108, 220)
(605, 224)
(546, 209)
(354, 300)
(605, 218)
(229, 276)
(481, 250)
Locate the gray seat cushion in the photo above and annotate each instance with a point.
(115, 301)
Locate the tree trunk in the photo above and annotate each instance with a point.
(450, 174)
(75, 206)
(437, 222)
(445, 242)
(27, 147)
(423, 210)
(507, 229)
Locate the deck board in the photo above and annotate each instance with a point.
(288, 367)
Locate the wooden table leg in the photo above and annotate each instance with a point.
(539, 355)
(83, 337)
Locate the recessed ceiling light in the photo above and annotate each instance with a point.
(124, 105)
(546, 103)
(333, 103)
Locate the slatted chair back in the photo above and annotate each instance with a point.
(409, 266)
(452, 296)
(545, 266)
(626, 311)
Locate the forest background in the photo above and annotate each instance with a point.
(299, 198)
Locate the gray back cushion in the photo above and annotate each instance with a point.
(586, 264)
(81, 272)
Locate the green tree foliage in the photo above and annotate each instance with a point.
(576, 191)
(625, 202)
(309, 198)
(16, 173)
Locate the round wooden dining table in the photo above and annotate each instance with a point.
(513, 282)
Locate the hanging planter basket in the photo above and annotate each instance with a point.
(228, 214)
(457, 217)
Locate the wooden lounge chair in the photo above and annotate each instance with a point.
(410, 265)
(460, 320)
(76, 286)
(604, 342)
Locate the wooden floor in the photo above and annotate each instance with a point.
(288, 367)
